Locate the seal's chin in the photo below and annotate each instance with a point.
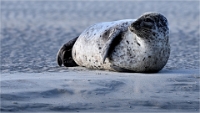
(133, 30)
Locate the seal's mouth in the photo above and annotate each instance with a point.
(139, 29)
(132, 29)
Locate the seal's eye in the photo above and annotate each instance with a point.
(148, 20)
(148, 23)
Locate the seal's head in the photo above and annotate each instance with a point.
(150, 25)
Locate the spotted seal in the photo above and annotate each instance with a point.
(138, 45)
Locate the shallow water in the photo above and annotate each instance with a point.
(32, 32)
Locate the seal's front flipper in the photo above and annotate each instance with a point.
(113, 39)
(64, 55)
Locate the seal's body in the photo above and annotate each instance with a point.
(127, 45)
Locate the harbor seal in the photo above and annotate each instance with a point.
(136, 45)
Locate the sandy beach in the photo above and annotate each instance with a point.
(31, 81)
(94, 91)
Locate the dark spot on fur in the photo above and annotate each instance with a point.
(99, 47)
(106, 35)
(143, 58)
(149, 56)
(127, 42)
(138, 44)
(75, 53)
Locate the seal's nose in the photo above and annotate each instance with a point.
(135, 25)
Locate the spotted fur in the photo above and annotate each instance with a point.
(139, 45)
